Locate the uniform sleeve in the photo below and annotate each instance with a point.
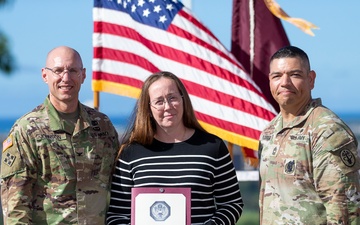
(228, 198)
(336, 177)
(17, 181)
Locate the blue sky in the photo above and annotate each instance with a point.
(35, 27)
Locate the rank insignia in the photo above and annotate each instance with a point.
(275, 149)
(7, 143)
(289, 167)
(9, 159)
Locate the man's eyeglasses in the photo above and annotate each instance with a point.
(59, 72)
(173, 100)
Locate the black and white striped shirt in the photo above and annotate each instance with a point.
(202, 163)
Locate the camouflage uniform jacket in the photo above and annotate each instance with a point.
(51, 176)
(309, 170)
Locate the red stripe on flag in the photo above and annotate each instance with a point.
(232, 127)
(197, 23)
(116, 78)
(178, 55)
(227, 100)
(122, 56)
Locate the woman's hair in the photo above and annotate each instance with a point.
(142, 126)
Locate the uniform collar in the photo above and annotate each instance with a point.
(300, 118)
(55, 120)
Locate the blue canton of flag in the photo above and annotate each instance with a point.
(155, 13)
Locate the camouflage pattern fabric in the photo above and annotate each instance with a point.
(50, 176)
(309, 170)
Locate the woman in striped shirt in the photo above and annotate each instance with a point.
(165, 146)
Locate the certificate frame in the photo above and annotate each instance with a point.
(174, 202)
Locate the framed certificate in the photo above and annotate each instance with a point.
(160, 206)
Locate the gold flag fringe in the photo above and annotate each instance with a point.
(302, 24)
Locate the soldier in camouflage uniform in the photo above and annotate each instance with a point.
(308, 156)
(57, 160)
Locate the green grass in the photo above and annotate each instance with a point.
(249, 218)
(250, 195)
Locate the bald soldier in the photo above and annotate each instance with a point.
(57, 160)
(309, 161)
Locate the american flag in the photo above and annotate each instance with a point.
(135, 38)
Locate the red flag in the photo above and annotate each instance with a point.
(131, 41)
(256, 35)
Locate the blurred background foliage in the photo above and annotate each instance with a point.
(7, 61)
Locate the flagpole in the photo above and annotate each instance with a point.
(252, 37)
(96, 100)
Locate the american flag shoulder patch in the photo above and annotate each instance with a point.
(8, 142)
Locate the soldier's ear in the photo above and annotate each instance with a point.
(312, 76)
(44, 75)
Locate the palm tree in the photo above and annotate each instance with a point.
(7, 63)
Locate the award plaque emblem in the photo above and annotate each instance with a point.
(160, 206)
(160, 211)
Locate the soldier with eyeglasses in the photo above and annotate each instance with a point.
(57, 160)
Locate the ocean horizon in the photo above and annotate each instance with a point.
(351, 118)
(121, 122)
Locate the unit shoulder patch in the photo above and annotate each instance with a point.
(347, 157)
(9, 159)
